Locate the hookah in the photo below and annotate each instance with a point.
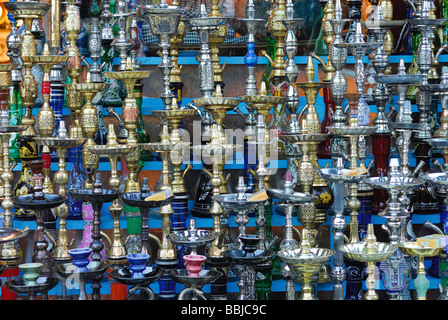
(97, 195)
(29, 283)
(244, 261)
(193, 277)
(84, 270)
(113, 150)
(288, 199)
(15, 109)
(381, 139)
(369, 251)
(61, 143)
(138, 275)
(129, 76)
(339, 177)
(10, 254)
(306, 261)
(39, 202)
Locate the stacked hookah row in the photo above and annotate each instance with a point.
(307, 188)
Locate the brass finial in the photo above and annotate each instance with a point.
(310, 70)
(111, 136)
(262, 91)
(46, 50)
(174, 105)
(89, 78)
(218, 91)
(129, 64)
(370, 239)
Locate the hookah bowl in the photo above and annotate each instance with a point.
(339, 177)
(306, 262)
(369, 251)
(30, 272)
(140, 278)
(137, 199)
(61, 177)
(137, 263)
(194, 264)
(31, 284)
(130, 118)
(245, 261)
(421, 282)
(80, 258)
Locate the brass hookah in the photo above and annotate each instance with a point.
(167, 254)
(61, 142)
(312, 136)
(329, 35)
(72, 27)
(113, 150)
(27, 12)
(218, 107)
(89, 124)
(130, 117)
(174, 116)
(279, 84)
(216, 152)
(9, 252)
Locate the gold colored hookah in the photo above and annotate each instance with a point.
(217, 37)
(27, 12)
(113, 150)
(9, 253)
(217, 153)
(329, 35)
(130, 118)
(61, 142)
(89, 124)
(166, 252)
(278, 76)
(72, 27)
(174, 117)
(45, 118)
